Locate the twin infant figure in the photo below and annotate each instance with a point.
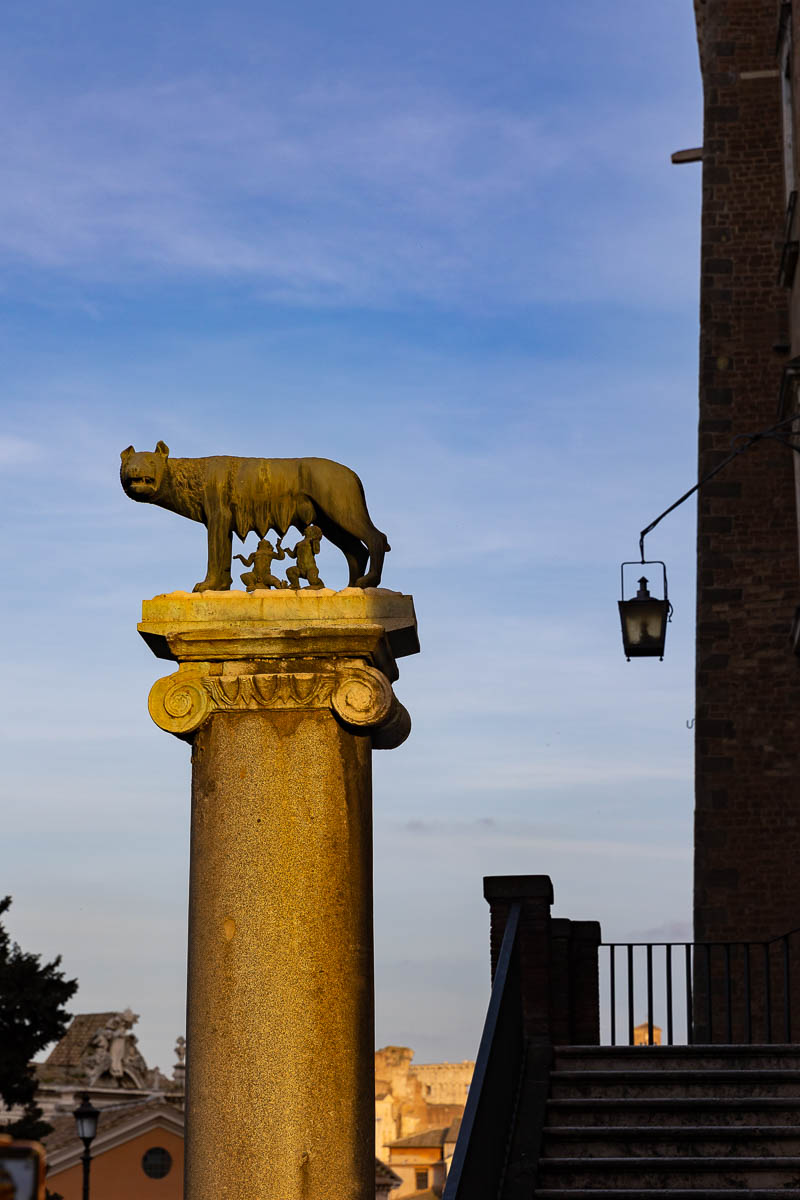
(305, 565)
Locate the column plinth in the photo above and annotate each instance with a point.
(283, 696)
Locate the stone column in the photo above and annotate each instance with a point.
(283, 695)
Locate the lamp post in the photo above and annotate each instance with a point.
(86, 1116)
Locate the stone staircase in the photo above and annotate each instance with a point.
(672, 1122)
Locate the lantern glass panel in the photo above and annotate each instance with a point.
(644, 627)
(86, 1120)
(644, 622)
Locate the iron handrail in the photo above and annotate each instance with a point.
(733, 942)
(480, 1151)
(731, 986)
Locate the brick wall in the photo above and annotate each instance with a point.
(558, 961)
(747, 823)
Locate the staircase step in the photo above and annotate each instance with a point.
(665, 1193)
(672, 1121)
(654, 1083)
(622, 1141)
(635, 1058)
(688, 1173)
(674, 1110)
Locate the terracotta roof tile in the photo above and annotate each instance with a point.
(452, 1132)
(68, 1052)
(385, 1175)
(64, 1135)
(425, 1138)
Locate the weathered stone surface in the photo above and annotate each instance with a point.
(218, 625)
(280, 1023)
(281, 650)
(283, 695)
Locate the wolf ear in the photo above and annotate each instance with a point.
(162, 448)
(126, 453)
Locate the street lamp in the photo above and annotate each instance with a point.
(644, 617)
(86, 1116)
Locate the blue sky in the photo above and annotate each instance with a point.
(445, 245)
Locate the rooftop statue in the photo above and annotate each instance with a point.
(239, 495)
(114, 1052)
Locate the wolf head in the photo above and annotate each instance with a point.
(142, 472)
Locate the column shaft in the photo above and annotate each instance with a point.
(280, 990)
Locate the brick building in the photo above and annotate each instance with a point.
(747, 816)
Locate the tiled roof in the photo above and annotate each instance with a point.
(385, 1175)
(425, 1138)
(64, 1135)
(68, 1052)
(452, 1133)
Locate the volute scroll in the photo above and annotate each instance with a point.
(360, 696)
(179, 704)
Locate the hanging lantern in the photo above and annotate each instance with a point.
(644, 617)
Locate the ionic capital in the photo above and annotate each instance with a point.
(359, 694)
(278, 650)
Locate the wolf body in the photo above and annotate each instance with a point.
(239, 495)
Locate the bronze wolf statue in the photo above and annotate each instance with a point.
(236, 495)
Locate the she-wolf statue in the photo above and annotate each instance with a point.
(237, 495)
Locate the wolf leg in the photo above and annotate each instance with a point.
(220, 547)
(355, 552)
(377, 545)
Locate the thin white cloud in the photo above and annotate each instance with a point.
(535, 774)
(18, 451)
(338, 194)
(519, 835)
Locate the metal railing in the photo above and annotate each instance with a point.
(701, 992)
(480, 1154)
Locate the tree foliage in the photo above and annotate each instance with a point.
(32, 1015)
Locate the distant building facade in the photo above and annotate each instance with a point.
(100, 1054)
(423, 1160)
(411, 1098)
(137, 1154)
(641, 1035)
(138, 1151)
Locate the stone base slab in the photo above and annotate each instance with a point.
(211, 626)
